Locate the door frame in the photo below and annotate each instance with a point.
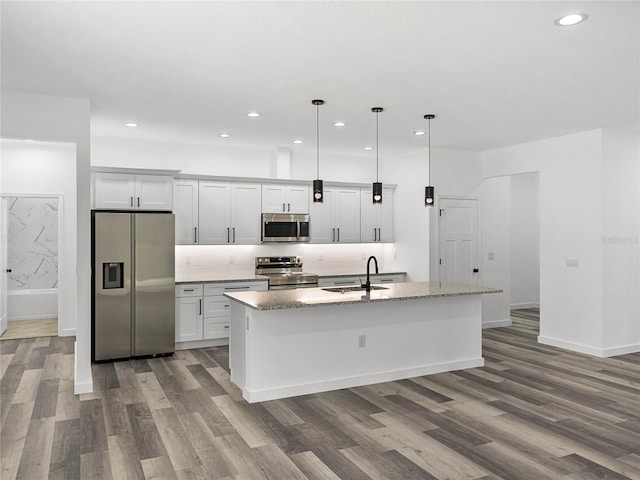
(434, 269)
(61, 257)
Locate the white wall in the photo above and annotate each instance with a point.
(496, 239)
(620, 228)
(232, 161)
(61, 119)
(525, 241)
(572, 200)
(46, 168)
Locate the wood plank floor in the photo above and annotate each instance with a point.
(533, 412)
(42, 327)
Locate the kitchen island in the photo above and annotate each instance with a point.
(294, 342)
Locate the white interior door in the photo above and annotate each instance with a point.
(459, 240)
(3, 265)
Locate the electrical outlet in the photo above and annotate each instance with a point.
(491, 256)
(232, 259)
(362, 341)
(320, 258)
(187, 260)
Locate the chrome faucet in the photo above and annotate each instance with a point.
(367, 285)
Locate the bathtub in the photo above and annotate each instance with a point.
(32, 304)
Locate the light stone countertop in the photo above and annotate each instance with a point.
(316, 297)
(210, 275)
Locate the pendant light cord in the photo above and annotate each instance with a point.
(377, 152)
(318, 141)
(429, 174)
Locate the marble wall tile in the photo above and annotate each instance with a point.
(32, 246)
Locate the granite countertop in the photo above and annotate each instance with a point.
(315, 297)
(206, 276)
(360, 273)
(209, 275)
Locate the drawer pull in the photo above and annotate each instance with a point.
(226, 326)
(226, 306)
(189, 290)
(236, 288)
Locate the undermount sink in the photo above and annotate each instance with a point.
(352, 289)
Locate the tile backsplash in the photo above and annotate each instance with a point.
(32, 246)
(319, 259)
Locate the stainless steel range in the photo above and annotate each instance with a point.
(285, 273)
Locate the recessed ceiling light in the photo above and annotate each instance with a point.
(368, 148)
(339, 124)
(297, 141)
(224, 135)
(573, 19)
(418, 132)
(253, 114)
(130, 124)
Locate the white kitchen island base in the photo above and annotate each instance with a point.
(288, 352)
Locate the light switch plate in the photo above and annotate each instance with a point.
(573, 262)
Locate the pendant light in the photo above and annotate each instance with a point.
(318, 193)
(429, 191)
(377, 186)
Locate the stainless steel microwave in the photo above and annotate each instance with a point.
(283, 227)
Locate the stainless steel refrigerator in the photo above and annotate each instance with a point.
(133, 274)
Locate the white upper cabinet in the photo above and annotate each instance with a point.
(337, 219)
(285, 198)
(376, 220)
(229, 213)
(185, 207)
(117, 191)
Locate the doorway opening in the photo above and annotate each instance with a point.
(31, 233)
(525, 248)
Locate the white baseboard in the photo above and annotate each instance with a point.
(216, 342)
(67, 332)
(304, 389)
(589, 350)
(83, 387)
(496, 323)
(17, 318)
(518, 306)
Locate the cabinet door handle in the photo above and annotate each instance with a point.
(379, 235)
(375, 234)
(195, 234)
(288, 207)
(235, 288)
(227, 234)
(338, 237)
(131, 202)
(234, 234)
(344, 283)
(226, 326)
(138, 201)
(283, 207)
(200, 304)
(386, 280)
(333, 234)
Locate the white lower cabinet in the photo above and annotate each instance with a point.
(203, 312)
(189, 312)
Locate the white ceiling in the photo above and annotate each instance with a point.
(495, 73)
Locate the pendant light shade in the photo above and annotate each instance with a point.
(377, 186)
(429, 191)
(318, 192)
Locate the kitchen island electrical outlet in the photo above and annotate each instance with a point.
(187, 260)
(491, 256)
(362, 341)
